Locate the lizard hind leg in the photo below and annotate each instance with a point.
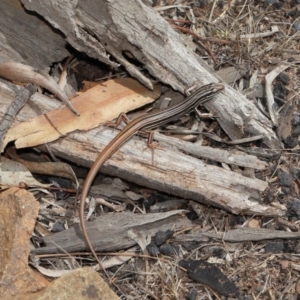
(150, 143)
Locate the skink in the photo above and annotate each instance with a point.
(142, 123)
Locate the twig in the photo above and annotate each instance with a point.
(235, 142)
(14, 71)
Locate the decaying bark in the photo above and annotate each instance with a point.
(26, 37)
(26, 74)
(110, 232)
(241, 235)
(173, 172)
(13, 109)
(100, 28)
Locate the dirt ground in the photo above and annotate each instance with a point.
(260, 36)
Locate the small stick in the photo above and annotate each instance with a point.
(22, 73)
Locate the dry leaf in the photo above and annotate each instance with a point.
(119, 259)
(59, 169)
(98, 105)
(51, 273)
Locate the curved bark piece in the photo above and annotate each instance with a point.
(14, 71)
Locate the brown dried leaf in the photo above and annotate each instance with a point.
(51, 168)
(96, 106)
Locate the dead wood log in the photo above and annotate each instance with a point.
(156, 44)
(100, 28)
(110, 232)
(173, 172)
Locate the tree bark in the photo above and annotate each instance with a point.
(103, 28)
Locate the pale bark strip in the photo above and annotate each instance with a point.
(12, 110)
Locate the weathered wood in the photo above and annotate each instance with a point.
(138, 29)
(109, 232)
(100, 28)
(173, 172)
(17, 72)
(241, 235)
(25, 37)
(232, 157)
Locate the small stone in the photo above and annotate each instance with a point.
(296, 25)
(293, 208)
(162, 236)
(152, 249)
(290, 142)
(192, 294)
(58, 226)
(284, 78)
(169, 250)
(285, 179)
(274, 247)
